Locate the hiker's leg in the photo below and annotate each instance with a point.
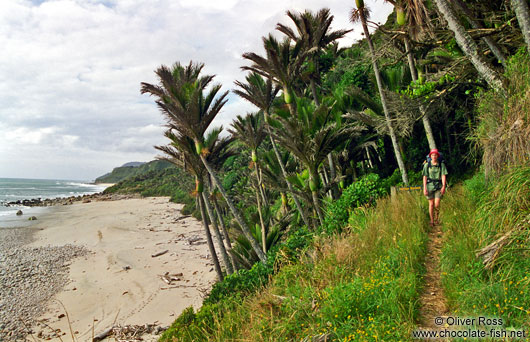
(437, 210)
(431, 210)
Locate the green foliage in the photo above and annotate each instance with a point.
(363, 192)
(245, 282)
(420, 88)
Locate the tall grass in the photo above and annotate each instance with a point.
(474, 216)
(503, 132)
(362, 285)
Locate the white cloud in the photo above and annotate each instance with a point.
(70, 72)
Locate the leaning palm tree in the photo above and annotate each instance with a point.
(181, 152)
(219, 151)
(262, 93)
(181, 98)
(310, 136)
(414, 16)
(362, 13)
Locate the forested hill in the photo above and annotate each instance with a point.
(132, 169)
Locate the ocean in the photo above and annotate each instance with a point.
(13, 189)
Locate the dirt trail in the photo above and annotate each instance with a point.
(433, 302)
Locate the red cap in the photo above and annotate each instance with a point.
(435, 151)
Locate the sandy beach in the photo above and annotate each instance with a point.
(120, 282)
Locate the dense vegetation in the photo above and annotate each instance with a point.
(309, 245)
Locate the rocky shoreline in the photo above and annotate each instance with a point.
(29, 278)
(48, 202)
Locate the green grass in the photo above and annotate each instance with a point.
(474, 216)
(362, 285)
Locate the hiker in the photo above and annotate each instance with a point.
(434, 183)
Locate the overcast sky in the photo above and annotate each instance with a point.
(70, 73)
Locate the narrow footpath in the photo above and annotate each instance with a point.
(432, 301)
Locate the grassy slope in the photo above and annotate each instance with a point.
(475, 216)
(362, 285)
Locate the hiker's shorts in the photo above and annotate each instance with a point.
(434, 194)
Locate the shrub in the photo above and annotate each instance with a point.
(363, 192)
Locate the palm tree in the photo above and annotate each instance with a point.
(314, 35)
(262, 93)
(250, 131)
(219, 151)
(282, 64)
(181, 98)
(310, 137)
(414, 15)
(181, 152)
(361, 13)
(470, 48)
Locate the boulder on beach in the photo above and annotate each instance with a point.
(19, 213)
(32, 218)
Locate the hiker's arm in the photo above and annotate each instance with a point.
(444, 180)
(425, 192)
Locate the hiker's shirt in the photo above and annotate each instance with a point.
(434, 175)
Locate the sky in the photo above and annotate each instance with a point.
(70, 73)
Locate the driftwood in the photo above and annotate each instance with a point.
(195, 240)
(170, 278)
(103, 335)
(159, 253)
(129, 333)
(491, 252)
(181, 218)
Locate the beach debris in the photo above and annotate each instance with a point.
(170, 278)
(19, 213)
(32, 218)
(159, 253)
(181, 218)
(126, 267)
(196, 240)
(129, 333)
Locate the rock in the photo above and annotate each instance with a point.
(32, 218)
(19, 212)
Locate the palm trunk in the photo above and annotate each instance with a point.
(314, 185)
(259, 177)
(470, 48)
(263, 231)
(424, 116)
(334, 192)
(284, 172)
(477, 25)
(225, 234)
(391, 132)
(235, 212)
(209, 238)
(522, 12)
(224, 254)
